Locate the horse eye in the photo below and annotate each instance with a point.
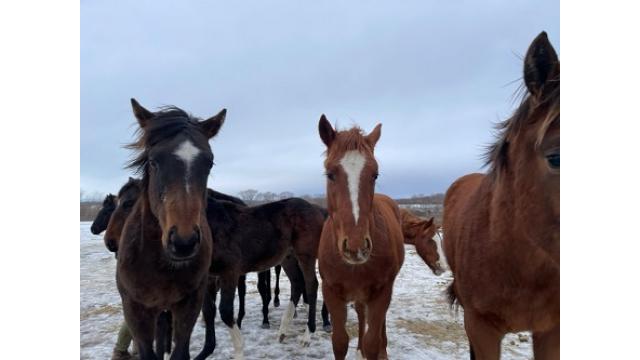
(127, 204)
(375, 176)
(153, 164)
(554, 160)
(330, 176)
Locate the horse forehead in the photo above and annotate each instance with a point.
(353, 162)
(186, 151)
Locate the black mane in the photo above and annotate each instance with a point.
(166, 123)
(495, 155)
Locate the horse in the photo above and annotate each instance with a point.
(420, 233)
(362, 246)
(102, 218)
(249, 239)
(502, 228)
(127, 196)
(166, 247)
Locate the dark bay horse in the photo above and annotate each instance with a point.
(361, 248)
(249, 239)
(502, 229)
(420, 233)
(102, 218)
(166, 248)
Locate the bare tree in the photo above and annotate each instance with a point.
(285, 195)
(248, 195)
(266, 196)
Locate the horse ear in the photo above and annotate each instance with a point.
(327, 133)
(374, 135)
(130, 179)
(143, 115)
(212, 125)
(540, 64)
(429, 222)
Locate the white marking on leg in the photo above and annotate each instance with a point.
(359, 355)
(306, 338)
(287, 316)
(187, 152)
(353, 162)
(238, 342)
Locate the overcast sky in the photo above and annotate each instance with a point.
(436, 74)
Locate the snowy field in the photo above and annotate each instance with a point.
(419, 322)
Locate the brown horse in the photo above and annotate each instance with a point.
(361, 248)
(166, 246)
(502, 229)
(420, 233)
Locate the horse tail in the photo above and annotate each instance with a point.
(452, 298)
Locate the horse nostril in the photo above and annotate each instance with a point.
(367, 243)
(344, 244)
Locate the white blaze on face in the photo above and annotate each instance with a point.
(443, 260)
(187, 152)
(352, 163)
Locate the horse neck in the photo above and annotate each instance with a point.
(150, 227)
(512, 219)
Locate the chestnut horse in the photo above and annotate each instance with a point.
(166, 246)
(502, 229)
(361, 248)
(420, 233)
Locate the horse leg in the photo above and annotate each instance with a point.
(185, 314)
(169, 333)
(295, 278)
(227, 292)
(361, 310)
(276, 292)
(546, 345)
(209, 315)
(242, 291)
(308, 267)
(265, 294)
(484, 339)
(141, 321)
(121, 349)
(163, 325)
(376, 313)
(383, 341)
(338, 310)
(326, 324)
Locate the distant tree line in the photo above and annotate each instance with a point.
(421, 204)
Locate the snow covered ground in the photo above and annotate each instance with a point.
(419, 322)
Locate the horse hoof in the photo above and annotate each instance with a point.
(266, 326)
(281, 338)
(276, 302)
(327, 328)
(121, 355)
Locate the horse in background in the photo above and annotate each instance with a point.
(166, 248)
(502, 229)
(256, 238)
(102, 218)
(421, 233)
(361, 248)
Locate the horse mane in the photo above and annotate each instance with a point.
(495, 155)
(166, 123)
(110, 199)
(131, 183)
(352, 139)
